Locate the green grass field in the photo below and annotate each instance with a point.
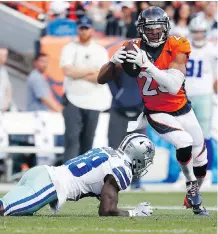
(82, 217)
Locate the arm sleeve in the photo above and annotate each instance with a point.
(171, 79)
(39, 88)
(68, 54)
(121, 177)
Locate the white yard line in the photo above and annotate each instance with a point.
(168, 187)
(210, 208)
(107, 230)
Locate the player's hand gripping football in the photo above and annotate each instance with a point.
(138, 57)
(143, 209)
(119, 56)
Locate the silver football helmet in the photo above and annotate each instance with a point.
(140, 150)
(198, 28)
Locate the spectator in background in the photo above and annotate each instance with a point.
(98, 12)
(210, 16)
(5, 85)
(59, 9)
(198, 6)
(126, 106)
(76, 10)
(38, 90)
(84, 98)
(124, 26)
(182, 18)
(170, 10)
(140, 6)
(60, 25)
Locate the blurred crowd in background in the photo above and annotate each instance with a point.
(108, 18)
(118, 17)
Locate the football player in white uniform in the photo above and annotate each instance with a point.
(200, 77)
(201, 73)
(101, 173)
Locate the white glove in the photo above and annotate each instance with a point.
(143, 209)
(138, 57)
(119, 56)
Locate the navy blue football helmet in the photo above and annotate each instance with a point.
(153, 26)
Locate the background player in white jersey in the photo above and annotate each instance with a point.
(201, 74)
(101, 173)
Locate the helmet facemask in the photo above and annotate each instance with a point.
(199, 38)
(153, 26)
(154, 35)
(199, 31)
(139, 169)
(140, 151)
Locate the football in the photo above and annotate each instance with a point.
(130, 68)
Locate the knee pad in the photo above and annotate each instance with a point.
(184, 155)
(200, 171)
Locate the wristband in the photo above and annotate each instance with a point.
(132, 213)
(112, 60)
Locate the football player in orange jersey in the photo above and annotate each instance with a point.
(162, 59)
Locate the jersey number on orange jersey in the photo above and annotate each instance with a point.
(146, 89)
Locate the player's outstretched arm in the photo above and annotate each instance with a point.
(109, 199)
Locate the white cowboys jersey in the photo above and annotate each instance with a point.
(201, 70)
(84, 176)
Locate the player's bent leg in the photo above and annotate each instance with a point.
(199, 154)
(200, 173)
(170, 129)
(200, 163)
(184, 157)
(34, 191)
(199, 151)
(192, 198)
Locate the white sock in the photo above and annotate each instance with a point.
(187, 170)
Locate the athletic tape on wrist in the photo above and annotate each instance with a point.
(132, 213)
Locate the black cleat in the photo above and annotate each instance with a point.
(193, 199)
(200, 210)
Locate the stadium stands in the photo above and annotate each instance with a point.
(30, 22)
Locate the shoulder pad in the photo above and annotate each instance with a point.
(179, 45)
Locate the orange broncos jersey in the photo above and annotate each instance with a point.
(156, 97)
